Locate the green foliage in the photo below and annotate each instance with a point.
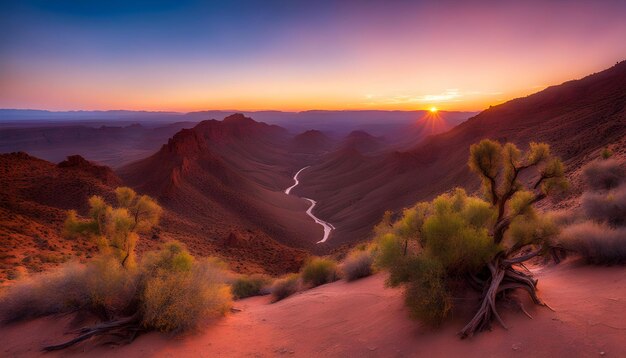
(116, 229)
(530, 229)
(389, 250)
(427, 296)
(486, 158)
(554, 174)
(606, 153)
(499, 167)
(250, 285)
(319, 271)
(456, 235)
(285, 286)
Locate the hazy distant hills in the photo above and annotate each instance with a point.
(342, 122)
(116, 138)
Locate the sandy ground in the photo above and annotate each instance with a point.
(364, 319)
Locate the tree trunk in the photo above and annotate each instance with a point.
(503, 278)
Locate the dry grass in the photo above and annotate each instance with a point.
(357, 264)
(606, 206)
(319, 271)
(597, 243)
(604, 174)
(102, 288)
(179, 300)
(169, 291)
(250, 285)
(285, 287)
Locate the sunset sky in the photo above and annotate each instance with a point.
(298, 55)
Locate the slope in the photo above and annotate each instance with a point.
(577, 118)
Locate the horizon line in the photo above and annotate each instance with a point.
(232, 110)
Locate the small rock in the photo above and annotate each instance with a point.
(516, 347)
(602, 353)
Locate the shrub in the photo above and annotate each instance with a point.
(426, 295)
(177, 300)
(456, 233)
(101, 287)
(596, 243)
(604, 174)
(389, 250)
(319, 271)
(609, 207)
(285, 287)
(250, 285)
(357, 264)
(42, 294)
(116, 230)
(169, 291)
(457, 240)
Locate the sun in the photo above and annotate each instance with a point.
(433, 109)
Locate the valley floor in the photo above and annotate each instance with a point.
(365, 319)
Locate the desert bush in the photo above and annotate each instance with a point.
(389, 249)
(42, 294)
(319, 271)
(179, 299)
(597, 231)
(457, 240)
(101, 287)
(285, 286)
(250, 285)
(597, 243)
(180, 291)
(604, 174)
(427, 296)
(609, 207)
(169, 291)
(357, 264)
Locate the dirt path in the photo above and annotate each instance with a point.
(364, 319)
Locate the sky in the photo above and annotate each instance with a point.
(298, 55)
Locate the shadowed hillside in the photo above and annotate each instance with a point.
(222, 184)
(577, 119)
(34, 197)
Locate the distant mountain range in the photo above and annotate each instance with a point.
(376, 122)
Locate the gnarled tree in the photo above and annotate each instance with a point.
(479, 241)
(500, 168)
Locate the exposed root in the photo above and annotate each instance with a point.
(487, 311)
(503, 279)
(127, 327)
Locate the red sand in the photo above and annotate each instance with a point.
(364, 319)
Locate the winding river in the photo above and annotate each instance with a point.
(328, 227)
